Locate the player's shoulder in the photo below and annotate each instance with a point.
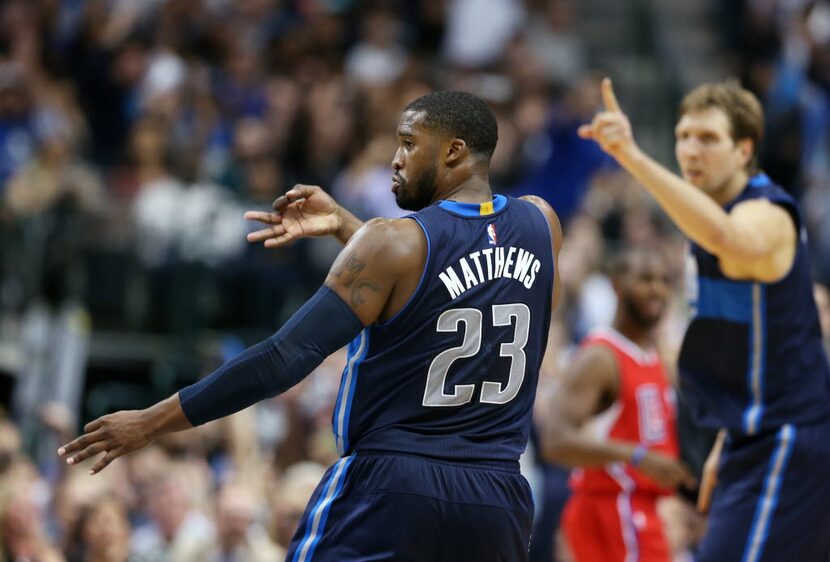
(761, 188)
(595, 363)
(391, 239)
(391, 229)
(550, 215)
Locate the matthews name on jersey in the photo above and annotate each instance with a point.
(453, 375)
(491, 263)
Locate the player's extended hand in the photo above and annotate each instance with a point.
(115, 435)
(610, 128)
(666, 471)
(303, 212)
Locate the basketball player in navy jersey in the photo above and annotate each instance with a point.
(447, 311)
(752, 362)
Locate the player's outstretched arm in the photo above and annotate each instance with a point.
(363, 279)
(305, 211)
(756, 236)
(589, 386)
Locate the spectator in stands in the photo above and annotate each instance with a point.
(288, 500)
(239, 535)
(103, 532)
(178, 532)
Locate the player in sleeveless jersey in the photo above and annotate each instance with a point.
(751, 364)
(617, 388)
(447, 311)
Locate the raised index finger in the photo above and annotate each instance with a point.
(609, 100)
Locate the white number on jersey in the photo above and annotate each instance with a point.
(516, 314)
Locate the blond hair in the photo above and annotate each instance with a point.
(742, 109)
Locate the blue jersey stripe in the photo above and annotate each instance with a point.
(755, 374)
(317, 516)
(343, 406)
(765, 510)
(724, 300)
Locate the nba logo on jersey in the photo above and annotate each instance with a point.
(491, 234)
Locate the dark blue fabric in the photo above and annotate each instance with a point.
(772, 490)
(384, 403)
(752, 359)
(405, 508)
(323, 325)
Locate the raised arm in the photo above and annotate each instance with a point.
(305, 211)
(371, 276)
(755, 240)
(590, 386)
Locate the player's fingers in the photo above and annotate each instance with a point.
(585, 132)
(86, 453)
(280, 203)
(104, 461)
(79, 443)
(263, 217)
(93, 425)
(301, 191)
(606, 118)
(279, 241)
(684, 475)
(296, 193)
(687, 479)
(609, 99)
(265, 233)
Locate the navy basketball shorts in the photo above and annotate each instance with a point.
(772, 500)
(405, 508)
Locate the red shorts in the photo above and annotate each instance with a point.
(615, 528)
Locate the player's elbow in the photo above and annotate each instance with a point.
(717, 240)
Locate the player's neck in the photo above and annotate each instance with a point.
(635, 332)
(475, 189)
(732, 188)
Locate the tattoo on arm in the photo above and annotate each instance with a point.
(357, 298)
(348, 274)
(350, 271)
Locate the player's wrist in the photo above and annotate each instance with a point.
(347, 224)
(629, 155)
(638, 453)
(163, 417)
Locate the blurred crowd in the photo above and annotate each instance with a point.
(133, 135)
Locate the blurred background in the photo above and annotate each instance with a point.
(133, 135)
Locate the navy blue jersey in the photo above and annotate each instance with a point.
(453, 375)
(752, 359)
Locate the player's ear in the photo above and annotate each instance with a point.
(456, 149)
(746, 148)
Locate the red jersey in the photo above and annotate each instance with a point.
(644, 412)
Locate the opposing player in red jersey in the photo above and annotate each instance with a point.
(617, 387)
